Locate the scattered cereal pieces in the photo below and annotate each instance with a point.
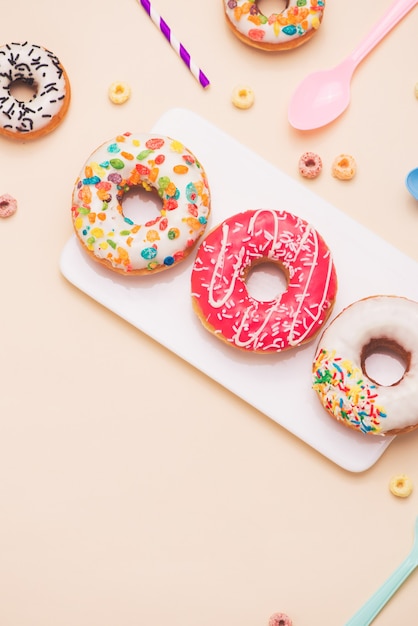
(344, 167)
(280, 619)
(242, 97)
(416, 90)
(401, 486)
(119, 92)
(8, 205)
(310, 165)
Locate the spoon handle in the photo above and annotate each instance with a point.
(366, 614)
(397, 10)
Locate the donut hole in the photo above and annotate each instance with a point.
(385, 362)
(23, 90)
(272, 7)
(310, 162)
(266, 280)
(140, 205)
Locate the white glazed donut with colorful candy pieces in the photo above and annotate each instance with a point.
(347, 392)
(292, 27)
(149, 161)
(219, 292)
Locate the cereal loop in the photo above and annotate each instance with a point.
(8, 205)
(310, 165)
(401, 486)
(242, 97)
(119, 92)
(344, 167)
(280, 619)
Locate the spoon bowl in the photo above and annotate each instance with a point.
(412, 183)
(322, 96)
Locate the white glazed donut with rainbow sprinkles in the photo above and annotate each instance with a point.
(289, 28)
(155, 163)
(220, 295)
(373, 325)
(38, 68)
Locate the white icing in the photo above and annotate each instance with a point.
(392, 318)
(34, 65)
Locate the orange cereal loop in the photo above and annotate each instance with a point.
(344, 167)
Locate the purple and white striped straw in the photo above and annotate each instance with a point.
(175, 44)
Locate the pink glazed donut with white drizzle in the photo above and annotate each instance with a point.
(220, 296)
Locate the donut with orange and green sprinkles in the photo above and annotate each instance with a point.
(154, 163)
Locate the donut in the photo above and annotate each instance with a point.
(147, 161)
(310, 165)
(35, 66)
(220, 296)
(386, 324)
(290, 28)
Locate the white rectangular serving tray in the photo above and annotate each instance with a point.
(277, 385)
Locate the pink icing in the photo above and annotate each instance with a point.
(220, 293)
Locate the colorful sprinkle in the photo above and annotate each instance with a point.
(345, 394)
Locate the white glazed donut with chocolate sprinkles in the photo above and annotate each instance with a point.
(34, 66)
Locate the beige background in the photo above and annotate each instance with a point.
(133, 489)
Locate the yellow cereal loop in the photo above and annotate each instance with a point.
(242, 97)
(401, 486)
(119, 92)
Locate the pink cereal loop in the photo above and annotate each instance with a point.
(310, 165)
(280, 619)
(8, 205)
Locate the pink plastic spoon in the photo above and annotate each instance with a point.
(322, 96)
